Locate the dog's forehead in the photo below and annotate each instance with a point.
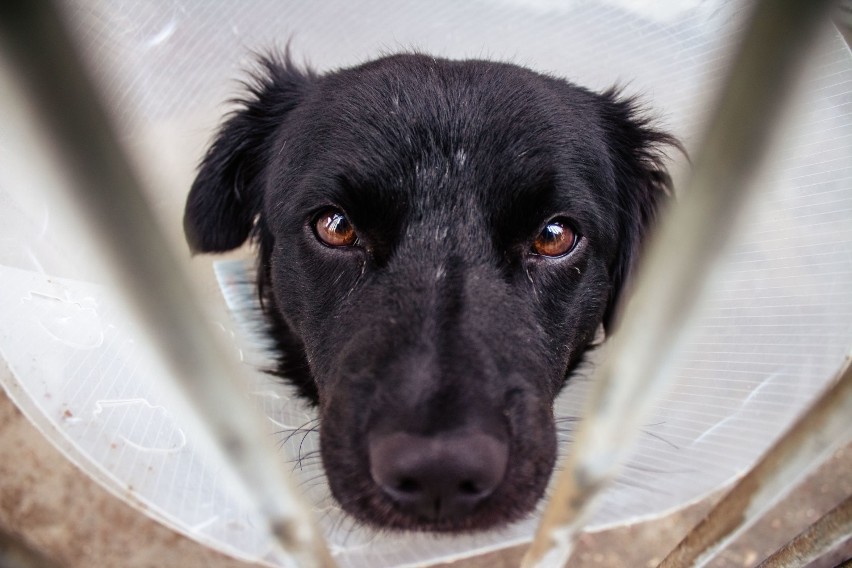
(438, 104)
(431, 120)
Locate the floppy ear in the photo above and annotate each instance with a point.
(638, 154)
(227, 194)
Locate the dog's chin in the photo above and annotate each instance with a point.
(375, 510)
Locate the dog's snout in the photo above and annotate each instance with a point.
(438, 477)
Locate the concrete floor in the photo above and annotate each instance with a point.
(52, 513)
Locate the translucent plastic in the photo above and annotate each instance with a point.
(777, 325)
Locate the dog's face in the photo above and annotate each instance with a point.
(439, 243)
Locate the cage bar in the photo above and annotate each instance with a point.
(633, 374)
(831, 530)
(66, 107)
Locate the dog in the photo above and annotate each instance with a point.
(438, 244)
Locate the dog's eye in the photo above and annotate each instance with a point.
(334, 229)
(556, 239)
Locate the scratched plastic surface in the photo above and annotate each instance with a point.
(775, 327)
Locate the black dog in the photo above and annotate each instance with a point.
(439, 242)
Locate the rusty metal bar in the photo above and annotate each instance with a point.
(822, 429)
(65, 107)
(827, 533)
(635, 373)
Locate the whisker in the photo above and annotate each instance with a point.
(306, 464)
(303, 429)
(311, 479)
(660, 438)
(305, 437)
(652, 488)
(656, 470)
(309, 457)
(563, 419)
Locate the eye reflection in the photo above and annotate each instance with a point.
(556, 239)
(334, 229)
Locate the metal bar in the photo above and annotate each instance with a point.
(822, 429)
(828, 532)
(65, 106)
(15, 553)
(635, 373)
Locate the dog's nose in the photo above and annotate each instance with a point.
(437, 477)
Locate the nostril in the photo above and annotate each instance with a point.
(407, 485)
(469, 487)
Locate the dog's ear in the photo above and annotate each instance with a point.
(638, 155)
(227, 194)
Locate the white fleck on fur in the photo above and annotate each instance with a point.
(439, 274)
(460, 158)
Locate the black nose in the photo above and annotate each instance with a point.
(442, 476)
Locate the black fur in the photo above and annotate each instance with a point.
(441, 323)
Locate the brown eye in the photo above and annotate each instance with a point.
(334, 229)
(556, 239)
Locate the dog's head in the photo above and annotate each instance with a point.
(439, 242)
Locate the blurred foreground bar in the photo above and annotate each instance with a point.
(634, 374)
(67, 109)
(831, 530)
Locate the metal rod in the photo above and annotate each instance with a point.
(66, 107)
(15, 553)
(828, 532)
(636, 372)
(823, 428)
